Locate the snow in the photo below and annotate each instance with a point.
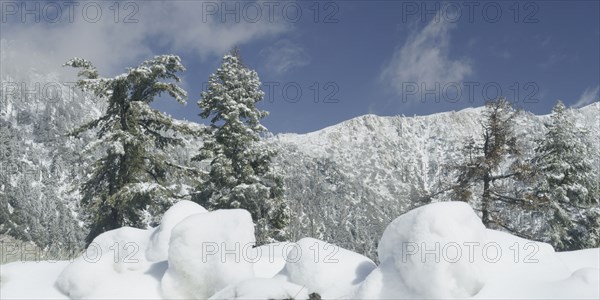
(113, 266)
(262, 288)
(442, 250)
(582, 284)
(325, 268)
(158, 249)
(522, 260)
(575, 260)
(421, 251)
(268, 260)
(210, 255)
(18, 279)
(536, 271)
(207, 252)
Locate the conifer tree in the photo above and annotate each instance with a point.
(240, 173)
(567, 183)
(127, 185)
(483, 162)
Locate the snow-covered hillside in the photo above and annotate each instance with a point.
(439, 250)
(348, 181)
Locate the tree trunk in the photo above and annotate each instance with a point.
(485, 201)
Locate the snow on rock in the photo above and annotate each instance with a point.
(207, 252)
(327, 269)
(158, 249)
(422, 254)
(113, 266)
(262, 288)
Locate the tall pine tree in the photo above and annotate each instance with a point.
(567, 183)
(240, 173)
(127, 185)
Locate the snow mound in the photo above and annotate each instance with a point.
(270, 259)
(590, 276)
(325, 268)
(158, 249)
(207, 252)
(31, 280)
(575, 260)
(262, 288)
(424, 253)
(508, 258)
(113, 266)
(439, 250)
(582, 284)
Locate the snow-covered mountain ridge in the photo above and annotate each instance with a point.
(365, 171)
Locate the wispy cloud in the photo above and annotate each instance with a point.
(589, 95)
(424, 59)
(552, 60)
(284, 56)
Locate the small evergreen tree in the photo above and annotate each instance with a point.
(567, 183)
(240, 173)
(127, 186)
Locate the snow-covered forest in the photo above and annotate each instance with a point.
(134, 203)
(342, 184)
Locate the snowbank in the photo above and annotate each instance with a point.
(207, 252)
(113, 266)
(575, 260)
(442, 250)
(158, 249)
(31, 280)
(582, 284)
(326, 269)
(513, 259)
(268, 260)
(528, 269)
(422, 254)
(439, 250)
(261, 288)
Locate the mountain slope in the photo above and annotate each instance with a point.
(348, 180)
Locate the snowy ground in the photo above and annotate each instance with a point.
(437, 251)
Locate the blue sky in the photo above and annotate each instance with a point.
(349, 59)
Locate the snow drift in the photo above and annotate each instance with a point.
(206, 254)
(440, 250)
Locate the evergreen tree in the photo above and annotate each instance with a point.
(240, 173)
(567, 183)
(484, 162)
(127, 185)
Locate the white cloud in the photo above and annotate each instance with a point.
(184, 28)
(424, 59)
(588, 96)
(172, 26)
(283, 56)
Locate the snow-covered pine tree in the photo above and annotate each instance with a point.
(567, 183)
(240, 174)
(483, 161)
(127, 185)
